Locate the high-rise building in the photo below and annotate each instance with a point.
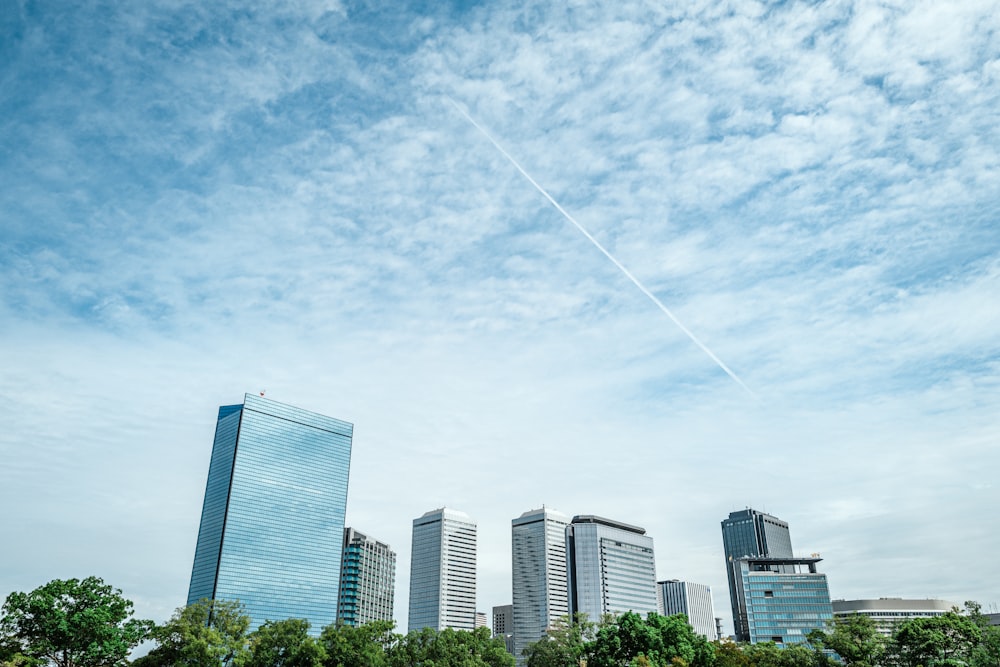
(503, 625)
(273, 518)
(443, 571)
(749, 533)
(540, 586)
(610, 567)
(367, 580)
(692, 600)
(888, 613)
(783, 598)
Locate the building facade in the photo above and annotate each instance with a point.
(783, 599)
(888, 613)
(750, 534)
(273, 516)
(610, 567)
(539, 583)
(443, 571)
(367, 580)
(503, 625)
(692, 600)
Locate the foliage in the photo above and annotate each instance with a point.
(768, 654)
(563, 645)
(207, 633)
(362, 646)
(284, 644)
(450, 648)
(70, 623)
(658, 641)
(948, 640)
(854, 638)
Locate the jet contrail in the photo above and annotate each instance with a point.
(597, 244)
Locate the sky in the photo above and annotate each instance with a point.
(200, 200)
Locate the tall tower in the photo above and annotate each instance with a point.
(750, 534)
(692, 600)
(367, 580)
(610, 567)
(273, 518)
(539, 581)
(443, 571)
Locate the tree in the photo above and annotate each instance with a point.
(563, 645)
(207, 633)
(948, 640)
(854, 638)
(70, 623)
(450, 648)
(986, 653)
(284, 644)
(361, 646)
(658, 641)
(769, 654)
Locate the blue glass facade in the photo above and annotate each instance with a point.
(272, 524)
(749, 533)
(782, 603)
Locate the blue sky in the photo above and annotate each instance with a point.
(201, 201)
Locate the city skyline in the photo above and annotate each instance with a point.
(204, 201)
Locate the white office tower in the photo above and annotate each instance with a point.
(443, 571)
(539, 582)
(692, 600)
(611, 568)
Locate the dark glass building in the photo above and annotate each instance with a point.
(749, 533)
(272, 526)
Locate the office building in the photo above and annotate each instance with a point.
(888, 613)
(692, 600)
(503, 625)
(443, 571)
(367, 580)
(610, 568)
(749, 533)
(782, 599)
(540, 588)
(272, 523)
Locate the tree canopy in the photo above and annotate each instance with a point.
(70, 623)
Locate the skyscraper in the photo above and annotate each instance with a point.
(749, 533)
(367, 580)
(503, 625)
(272, 523)
(782, 599)
(443, 571)
(540, 585)
(692, 600)
(610, 566)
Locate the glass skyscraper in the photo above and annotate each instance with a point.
(749, 533)
(272, 525)
(540, 586)
(611, 568)
(367, 580)
(443, 571)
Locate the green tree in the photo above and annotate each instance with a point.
(70, 623)
(362, 646)
(207, 633)
(284, 644)
(450, 648)
(948, 640)
(729, 654)
(563, 645)
(986, 653)
(854, 638)
(658, 641)
(769, 654)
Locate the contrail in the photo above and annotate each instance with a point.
(597, 244)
